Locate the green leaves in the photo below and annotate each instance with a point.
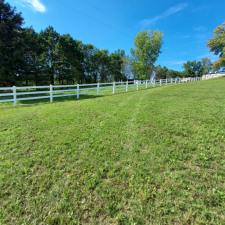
(147, 49)
(32, 58)
(10, 42)
(217, 45)
(193, 68)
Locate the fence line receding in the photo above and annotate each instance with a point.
(16, 94)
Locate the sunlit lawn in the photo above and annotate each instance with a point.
(155, 156)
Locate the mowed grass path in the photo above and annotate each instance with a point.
(150, 157)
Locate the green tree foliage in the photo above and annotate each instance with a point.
(49, 57)
(70, 57)
(217, 45)
(161, 72)
(10, 43)
(101, 60)
(117, 63)
(88, 64)
(28, 57)
(197, 68)
(175, 74)
(164, 72)
(207, 65)
(193, 69)
(31, 51)
(147, 49)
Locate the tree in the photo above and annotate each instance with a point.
(102, 62)
(49, 57)
(30, 55)
(88, 64)
(174, 74)
(207, 65)
(69, 65)
(147, 49)
(217, 45)
(117, 61)
(193, 69)
(161, 72)
(10, 43)
(164, 73)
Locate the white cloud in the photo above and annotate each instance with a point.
(36, 5)
(169, 12)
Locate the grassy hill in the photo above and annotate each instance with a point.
(151, 157)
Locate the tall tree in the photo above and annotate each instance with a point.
(217, 45)
(175, 74)
(49, 58)
(147, 49)
(161, 72)
(193, 69)
(88, 64)
(30, 71)
(10, 43)
(102, 62)
(117, 63)
(70, 57)
(207, 65)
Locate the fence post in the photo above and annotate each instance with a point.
(51, 93)
(98, 85)
(114, 87)
(146, 84)
(160, 82)
(78, 91)
(137, 85)
(14, 95)
(127, 86)
(166, 81)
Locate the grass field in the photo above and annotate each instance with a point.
(155, 156)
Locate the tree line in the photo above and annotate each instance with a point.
(28, 57)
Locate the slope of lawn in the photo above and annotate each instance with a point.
(150, 157)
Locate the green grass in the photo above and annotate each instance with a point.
(155, 156)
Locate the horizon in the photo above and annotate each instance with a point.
(96, 23)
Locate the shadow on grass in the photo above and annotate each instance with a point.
(28, 103)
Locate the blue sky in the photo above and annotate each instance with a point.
(113, 24)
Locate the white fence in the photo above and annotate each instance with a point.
(213, 76)
(17, 94)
